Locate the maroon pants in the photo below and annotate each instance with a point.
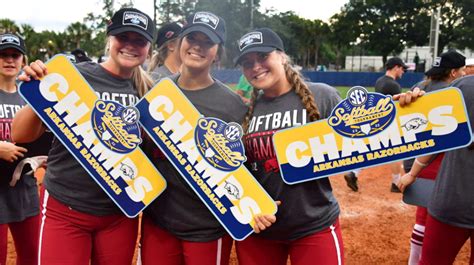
(443, 242)
(160, 245)
(25, 236)
(324, 247)
(69, 237)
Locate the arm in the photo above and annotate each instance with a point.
(418, 165)
(26, 126)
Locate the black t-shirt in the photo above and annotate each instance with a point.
(66, 180)
(387, 86)
(306, 207)
(179, 209)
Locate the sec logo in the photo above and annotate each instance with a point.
(357, 95)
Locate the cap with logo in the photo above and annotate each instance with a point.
(208, 23)
(10, 40)
(395, 61)
(259, 40)
(131, 19)
(168, 32)
(448, 60)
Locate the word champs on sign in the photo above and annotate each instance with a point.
(208, 153)
(368, 129)
(102, 135)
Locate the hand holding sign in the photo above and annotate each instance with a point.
(102, 135)
(365, 131)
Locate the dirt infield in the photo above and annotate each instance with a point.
(376, 225)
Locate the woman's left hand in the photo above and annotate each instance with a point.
(405, 181)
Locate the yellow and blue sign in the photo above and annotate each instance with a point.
(368, 129)
(102, 135)
(208, 153)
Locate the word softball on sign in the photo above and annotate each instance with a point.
(102, 135)
(208, 153)
(368, 129)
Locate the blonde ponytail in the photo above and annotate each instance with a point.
(141, 81)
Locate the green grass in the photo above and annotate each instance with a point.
(342, 89)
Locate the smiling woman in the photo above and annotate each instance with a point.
(80, 223)
(177, 227)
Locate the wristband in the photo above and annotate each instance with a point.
(419, 163)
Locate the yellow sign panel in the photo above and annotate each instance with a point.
(208, 153)
(357, 136)
(102, 135)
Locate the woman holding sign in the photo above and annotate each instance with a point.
(80, 223)
(307, 226)
(177, 227)
(450, 67)
(19, 205)
(450, 221)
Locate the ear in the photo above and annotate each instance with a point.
(283, 58)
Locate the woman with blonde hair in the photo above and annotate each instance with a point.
(80, 223)
(166, 60)
(307, 222)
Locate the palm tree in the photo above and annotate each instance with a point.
(77, 33)
(8, 25)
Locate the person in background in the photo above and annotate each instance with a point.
(307, 222)
(80, 55)
(80, 223)
(469, 66)
(450, 221)
(387, 85)
(244, 89)
(166, 60)
(352, 179)
(19, 200)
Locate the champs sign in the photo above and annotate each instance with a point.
(209, 154)
(102, 135)
(369, 129)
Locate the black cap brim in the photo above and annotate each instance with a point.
(12, 46)
(266, 49)
(132, 29)
(203, 29)
(435, 71)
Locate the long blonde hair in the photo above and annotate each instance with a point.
(141, 80)
(297, 83)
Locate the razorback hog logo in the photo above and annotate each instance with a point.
(10, 39)
(135, 19)
(250, 39)
(206, 18)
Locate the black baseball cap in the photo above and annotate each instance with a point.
(80, 55)
(259, 40)
(448, 60)
(10, 40)
(395, 61)
(208, 23)
(131, 19)
(168, 32)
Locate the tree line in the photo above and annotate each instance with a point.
(374, 27)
